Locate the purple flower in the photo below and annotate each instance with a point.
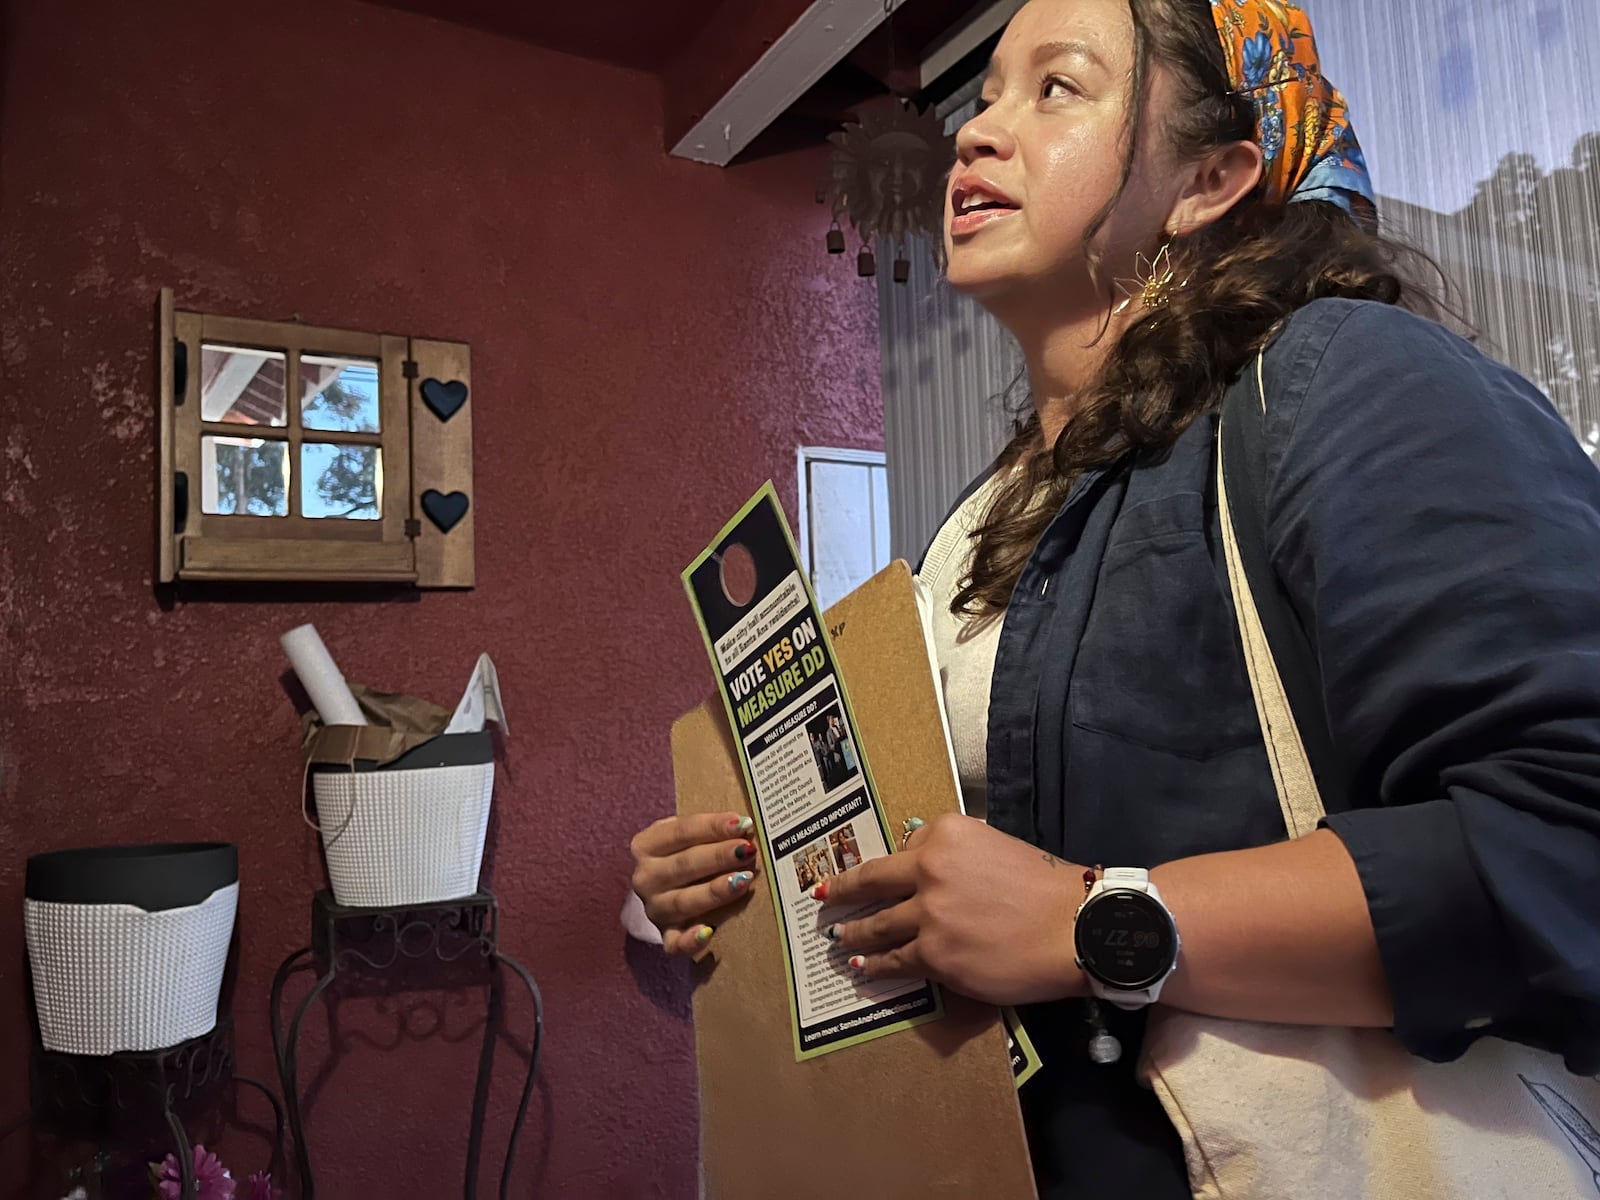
(211, 1177)
(259, 1187)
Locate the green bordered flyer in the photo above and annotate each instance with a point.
(1025, 1062)
(815, 805)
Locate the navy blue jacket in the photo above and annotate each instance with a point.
(1436, 528)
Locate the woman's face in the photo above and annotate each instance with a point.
(1045, 155)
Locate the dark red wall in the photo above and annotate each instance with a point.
(651, 339)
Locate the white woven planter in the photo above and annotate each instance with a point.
(404, 836)
(113, 977)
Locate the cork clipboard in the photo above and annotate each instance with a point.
(927, 1112)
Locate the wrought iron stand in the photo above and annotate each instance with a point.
(89, 1096)
(379, 940)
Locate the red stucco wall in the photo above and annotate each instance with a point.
(650, 340)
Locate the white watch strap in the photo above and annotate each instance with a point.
(1136, 878)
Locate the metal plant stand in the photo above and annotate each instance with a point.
(92, 1096)
(385, 941)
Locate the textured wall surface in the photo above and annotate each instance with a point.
(651, 339)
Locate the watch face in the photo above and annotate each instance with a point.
(1125, 940)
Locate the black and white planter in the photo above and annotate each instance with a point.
(128, 943)
(410, 831)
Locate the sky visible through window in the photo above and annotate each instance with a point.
(1442, 90)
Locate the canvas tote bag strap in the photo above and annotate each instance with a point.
(1298, 794)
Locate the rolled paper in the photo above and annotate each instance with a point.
(320, 676)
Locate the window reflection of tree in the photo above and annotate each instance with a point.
(336, 404)
(346, 485)
(252, 477)
(1525, 256)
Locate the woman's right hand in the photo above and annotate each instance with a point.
(686, 868)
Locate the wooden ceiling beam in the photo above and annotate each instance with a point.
(753, 61)
(750, 63)
(894, 53)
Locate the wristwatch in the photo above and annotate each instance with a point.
(1124, 936)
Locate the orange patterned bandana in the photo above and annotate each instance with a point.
(1301, 120)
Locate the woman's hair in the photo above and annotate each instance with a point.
(1245, 274)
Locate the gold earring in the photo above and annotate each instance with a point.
(1153, 281)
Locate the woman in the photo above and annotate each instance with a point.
(846, 748)
(821, 756)
(835, 759)
(1432, 522)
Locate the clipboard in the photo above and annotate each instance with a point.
(928, 1112)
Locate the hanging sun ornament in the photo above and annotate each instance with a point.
(887, 178)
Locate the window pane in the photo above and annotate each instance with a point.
(840, 500)
(247, 476)
(243, 386)
(341, 481)
(339, 393)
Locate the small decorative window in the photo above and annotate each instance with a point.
(295, 453)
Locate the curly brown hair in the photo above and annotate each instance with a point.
(1246, 274)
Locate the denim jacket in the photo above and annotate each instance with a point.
(1436, 528)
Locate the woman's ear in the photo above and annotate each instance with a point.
(1216, 183)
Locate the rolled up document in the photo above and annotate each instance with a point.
(320, 676)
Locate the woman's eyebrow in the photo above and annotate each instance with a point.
(1046, 51)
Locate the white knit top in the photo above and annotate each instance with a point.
(965, 646)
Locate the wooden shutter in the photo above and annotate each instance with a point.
(442, 500)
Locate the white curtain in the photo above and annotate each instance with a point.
(947, 368)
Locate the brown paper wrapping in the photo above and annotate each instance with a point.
(398, 723)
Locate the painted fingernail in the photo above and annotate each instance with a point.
(703, 935)
(741, 826)
(820, 892)
(745, 851)
(858, 962)
(740, 881)
(832, 932)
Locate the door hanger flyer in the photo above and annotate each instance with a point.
(1025, 1061)
(815, 805)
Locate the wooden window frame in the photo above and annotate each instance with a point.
(425, 449)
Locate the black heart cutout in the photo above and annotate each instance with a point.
(445, 511)
(444, 399)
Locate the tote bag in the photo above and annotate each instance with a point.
(1296, 1112)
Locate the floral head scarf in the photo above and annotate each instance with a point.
(1302, 123)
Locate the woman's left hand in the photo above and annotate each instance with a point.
(970, 907)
